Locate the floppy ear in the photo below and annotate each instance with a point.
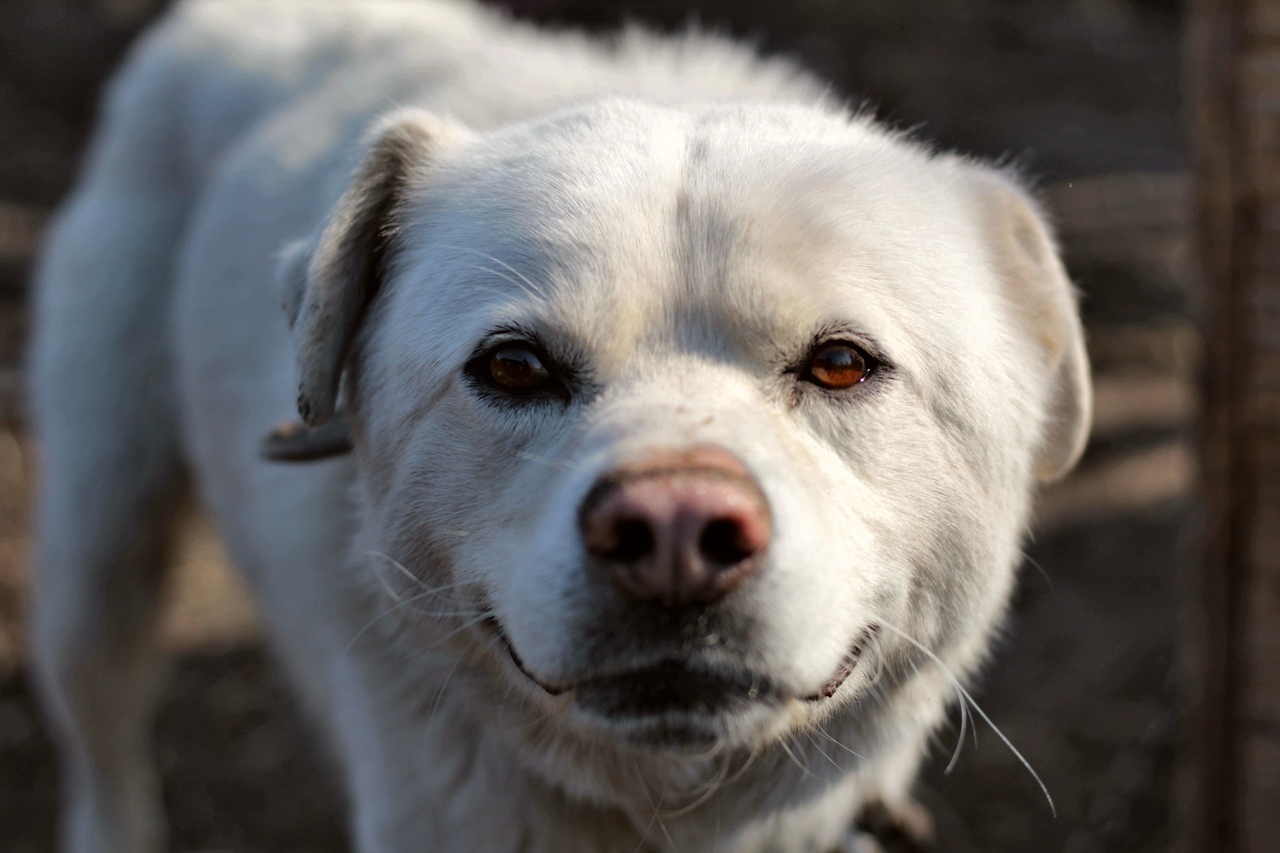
(1026, 257)
(329, 284)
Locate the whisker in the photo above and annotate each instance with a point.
(656, 806)
(567, 464)
(783, 743)
(822, 731)
(822, 751)
(712, 785)
(410, 575)
(533, 288)
(746, 765)
(662, 824)
(964, 694)
(1039, 568)
(878, 676)
(964, 720)
(446, 613)
(523, 282)
(480, 288)
(405, 603)
(464, 626)
(435, 706)
(960, 701)
(534, 293)
(711, 788)
(543, 460)
(390, 590)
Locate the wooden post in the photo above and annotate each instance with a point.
(1233, 795)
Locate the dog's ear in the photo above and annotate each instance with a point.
(328, 282)
(1027, 258)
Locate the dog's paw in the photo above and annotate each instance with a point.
(858, 842)
(899, 827)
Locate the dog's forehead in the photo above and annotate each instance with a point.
(747, 225)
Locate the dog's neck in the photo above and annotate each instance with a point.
(561, 792)
(577, 795)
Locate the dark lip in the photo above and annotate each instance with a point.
(501, 636)
(737, 681)
(666, 683)
(847, 665)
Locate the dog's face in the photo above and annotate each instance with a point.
(698, 415)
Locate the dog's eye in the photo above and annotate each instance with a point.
(838, 365)
(518, 369)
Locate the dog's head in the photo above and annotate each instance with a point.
(680, 422)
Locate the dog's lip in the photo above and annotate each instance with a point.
(761, 686)
(496, 627)
(847, 665)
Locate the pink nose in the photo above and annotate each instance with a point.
(680, 527)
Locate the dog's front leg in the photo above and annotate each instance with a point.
(421, 774)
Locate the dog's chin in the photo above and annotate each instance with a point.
(680, 705)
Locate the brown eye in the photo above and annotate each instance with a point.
(518, 369)
(837, 366)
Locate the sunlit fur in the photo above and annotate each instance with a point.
(678, 223)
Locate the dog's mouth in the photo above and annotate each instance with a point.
(496, 628)
(847, 666)
(671, 684)
(674, 686)
(680, 685)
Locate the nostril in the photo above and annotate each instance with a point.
(723, 543)
(634, 541)
(680, 529)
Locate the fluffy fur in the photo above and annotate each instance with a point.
(675, 221)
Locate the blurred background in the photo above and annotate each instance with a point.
(1084, 94)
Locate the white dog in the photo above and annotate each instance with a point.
(695, 423)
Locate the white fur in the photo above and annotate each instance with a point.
(683, 216)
